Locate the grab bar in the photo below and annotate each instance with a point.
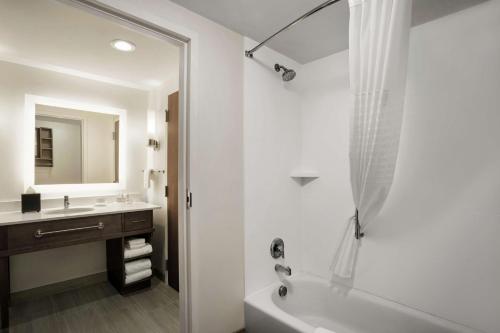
(39, 233)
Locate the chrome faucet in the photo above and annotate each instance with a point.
(66, 202)
(280, 268)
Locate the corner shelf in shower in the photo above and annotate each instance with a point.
(304, 174)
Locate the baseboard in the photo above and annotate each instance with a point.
(159, 274)
(57, 288)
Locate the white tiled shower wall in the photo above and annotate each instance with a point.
(434, 245)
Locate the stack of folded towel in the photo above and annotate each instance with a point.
(138, 269)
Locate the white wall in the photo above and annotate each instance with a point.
(434, 245)
(326, 201)
(271, 153)
(216, 145)
(15, 82)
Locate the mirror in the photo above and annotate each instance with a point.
(77, 85)
(74, 146)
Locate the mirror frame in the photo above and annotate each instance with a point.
(58, 190)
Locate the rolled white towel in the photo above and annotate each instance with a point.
(138, 276)
(322, 330)
(132, 253)
(134, 246)
(137, 266)
(136, 241)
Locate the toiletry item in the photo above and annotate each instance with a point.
(121, 198)
(30, 201)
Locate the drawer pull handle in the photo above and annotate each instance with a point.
(39, 233)
(137, 221)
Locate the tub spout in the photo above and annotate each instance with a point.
(280, 268)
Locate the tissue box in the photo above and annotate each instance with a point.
(30, 202)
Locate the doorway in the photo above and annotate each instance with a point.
(134, 168)
(183, 102)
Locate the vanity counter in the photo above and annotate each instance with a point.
(55, 228)
(13, 218)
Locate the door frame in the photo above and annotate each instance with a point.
(187, 42)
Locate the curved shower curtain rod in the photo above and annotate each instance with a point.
(325, 4)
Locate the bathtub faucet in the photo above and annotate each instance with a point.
(280, 268)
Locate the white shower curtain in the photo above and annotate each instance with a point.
(378, 52)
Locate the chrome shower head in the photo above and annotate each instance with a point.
(288, 74)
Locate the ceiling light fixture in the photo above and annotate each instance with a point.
(123, 45)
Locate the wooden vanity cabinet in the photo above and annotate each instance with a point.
(36, 236)
(50, 234)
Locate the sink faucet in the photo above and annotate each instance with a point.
(66, 202)
(280, 268)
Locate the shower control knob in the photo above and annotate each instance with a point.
(277, 248)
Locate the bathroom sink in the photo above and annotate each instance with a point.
(70, 210)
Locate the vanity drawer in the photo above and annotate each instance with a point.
(63, 232)
(135, 221)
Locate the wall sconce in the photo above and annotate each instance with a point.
(154, 143)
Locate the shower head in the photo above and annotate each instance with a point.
(288, 74)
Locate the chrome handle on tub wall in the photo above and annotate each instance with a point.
(283, 269)
(277, 248)
(39, 233)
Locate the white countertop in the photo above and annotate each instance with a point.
(12, 218)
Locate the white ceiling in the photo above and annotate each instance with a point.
(53, 35)
(316, 37)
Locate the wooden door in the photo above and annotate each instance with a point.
(117, 151)
(173, 190)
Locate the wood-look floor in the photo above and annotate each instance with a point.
(99, 308)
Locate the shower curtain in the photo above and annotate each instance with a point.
(378, 52)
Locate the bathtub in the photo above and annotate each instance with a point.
(312, 302)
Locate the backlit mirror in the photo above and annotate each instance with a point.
(74, 146)
(75, 78)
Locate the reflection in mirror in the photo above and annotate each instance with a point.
(75, 147)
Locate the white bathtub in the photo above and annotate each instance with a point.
(312, 302)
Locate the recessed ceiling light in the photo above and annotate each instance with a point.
(123, 45)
